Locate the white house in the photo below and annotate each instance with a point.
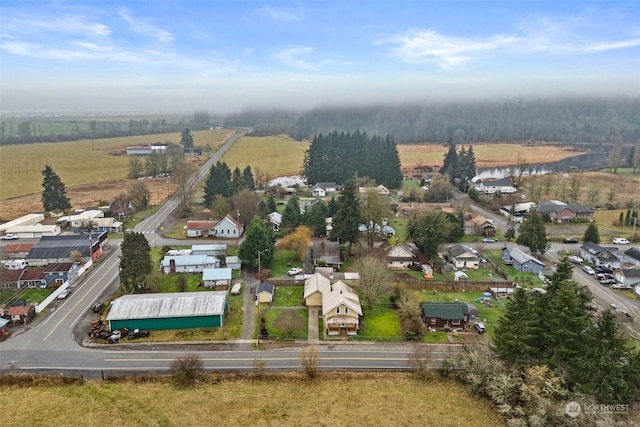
(323, 189)
(502, 186)
(218, 249)
(228, 227)
(399, 257)
(628, 276)
(275, 219)
(200, 228)
(233, 262)
(632, 256)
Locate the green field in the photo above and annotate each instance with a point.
(78, 162)
(368, 399)
(380, 323)
(271, 316)
(28, 295)
(275, 155)
(288, 296)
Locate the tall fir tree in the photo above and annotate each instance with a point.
(516, 333)
(347, 218)
(135, 261)
(591, 234)
(450, 163)
(257, 240)
(186, 138)
(291, 216)
(533, 234)
(54, 193)
(247, 178)
(237, 181)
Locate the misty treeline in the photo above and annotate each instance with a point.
(338, 156)
(42, 130)
(569, 120)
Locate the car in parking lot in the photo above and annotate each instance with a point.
(575, 259)
(9, 237)
(607, 282)
(622, 287)
(602, 276)
(64, 294)
(588, 270)
(620, 241)
(480, 327)
(602, 270)
(294, 271)
(488, 240)
(570, 240)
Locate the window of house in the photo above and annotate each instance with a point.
(337, 310)
(346, 310)
(455, 322)
(433, 320)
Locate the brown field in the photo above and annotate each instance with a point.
(90, 173)
(487, 155)
(345, 398)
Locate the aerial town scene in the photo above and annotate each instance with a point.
(415, 213)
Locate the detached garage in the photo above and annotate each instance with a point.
(180, 310)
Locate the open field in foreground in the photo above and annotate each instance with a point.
(345, 398)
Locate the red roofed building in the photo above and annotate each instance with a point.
(226, 228)
(200, 228)
(16, 250)
(21, 314)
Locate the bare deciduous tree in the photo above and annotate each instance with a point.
(310, 361)
(289, 321)
(373, 276)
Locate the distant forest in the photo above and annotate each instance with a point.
(593, 121)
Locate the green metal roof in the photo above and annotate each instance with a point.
(445, 310)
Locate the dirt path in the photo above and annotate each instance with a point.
(248, 317)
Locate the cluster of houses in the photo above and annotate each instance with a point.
(35, 226)
(625, 265)
(210, 261)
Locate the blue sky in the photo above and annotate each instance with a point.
(169, 56)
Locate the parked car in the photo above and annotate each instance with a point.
(9, 237)
(488, 240)
(138, 333)
(575, 259)
(570, 240)
(620, 241)
(588, 270)
(98, 307)
(603, 270)
(64, 294)
(622, 287)
(294, 271)
(480, 327)
(602, 276)
(607, 282)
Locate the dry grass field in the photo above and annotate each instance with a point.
(87, 168)
(346, 399)
(487, 155)
(275, 155)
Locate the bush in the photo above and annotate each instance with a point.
(310, 361)
(186, 371)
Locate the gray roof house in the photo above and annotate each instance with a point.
(463, 257)
(600, 256)
(521, 261)
(628, 276)
(632, 256)
(326, 253)
(188, 263)
(563, 212)
(216, 277)
(323, 189)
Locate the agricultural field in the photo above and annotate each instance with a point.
(487, 155)
(381, 399)
(89, 169)
(274, 155)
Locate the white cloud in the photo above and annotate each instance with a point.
(291, 56)
(145, 27)
(574, 35)
(279, 14)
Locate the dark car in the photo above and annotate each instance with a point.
(570, 240)
(138, 333)
(607, 282)
(604, 270)
(98, 307)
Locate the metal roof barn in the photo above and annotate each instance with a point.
(181, 310)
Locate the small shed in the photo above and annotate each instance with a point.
(21, 314)
(233, 262)
(265, 292)
(180, 310)
(216, 277)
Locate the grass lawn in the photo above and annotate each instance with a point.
(479, 275)
(28, 295)
(400, 226)
(435, 337)
(288, 296)
(380, 323)
(232, 328)
(282, 261)
(419, 275)
(271, 316)
(381, 399)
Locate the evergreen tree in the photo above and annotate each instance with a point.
(291, 216)
(471, 163)
(247, 178)
(271, 204)
(347, 218)
(332, 206)
(533, 233)
(373, 207)
(54, 193)
(602, 368)
(517, 330)
(591, 234)
(186, 138)
(315, 217)
(621, 218)
(257, 240)
(450, 163)
(218, 182)
(429, 230)
(135, 261)
(627, 218)
(237, 181)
